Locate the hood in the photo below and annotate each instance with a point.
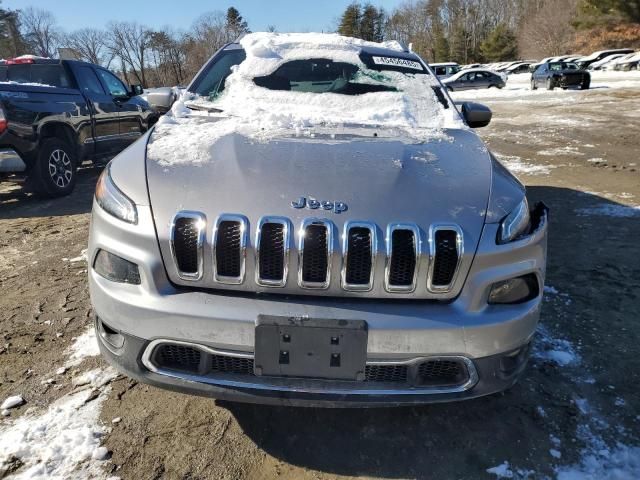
(380, 180)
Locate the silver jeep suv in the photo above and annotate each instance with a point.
(315, 223)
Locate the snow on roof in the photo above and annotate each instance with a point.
(263, 114)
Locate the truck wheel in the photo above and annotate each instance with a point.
(550, 85)
(54, 174)
(585, 85)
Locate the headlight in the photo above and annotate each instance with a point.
(515, 224)
(112, 200)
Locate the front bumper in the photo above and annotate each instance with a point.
(398, 331)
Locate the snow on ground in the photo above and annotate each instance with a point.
(86, 345)
(518, 166)
(64, 440)
(610, 210)
(55, 443)
(557, 350)
(262, 113)
(518, 88)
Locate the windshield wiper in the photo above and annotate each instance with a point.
(203, 108)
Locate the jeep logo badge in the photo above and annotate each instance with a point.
(313, 204)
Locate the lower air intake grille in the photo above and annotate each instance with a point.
(403, 258)
(441, 372)
(386, 373)
(315, 254)
(228, 248)
(446, 258)
(359, 256)
(272, 251)
(185, 244)
(178, 357)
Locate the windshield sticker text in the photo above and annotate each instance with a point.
(397, 62)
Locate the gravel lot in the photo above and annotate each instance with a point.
(575, 413)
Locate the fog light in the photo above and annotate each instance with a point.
(116, 269)
(514, 290)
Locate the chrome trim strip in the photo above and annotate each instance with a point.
(432, 256)
(287, 246)
(244, 233)
(392, 227)
(148, 353)
(301, 235)
(201, 224)
(345, 255)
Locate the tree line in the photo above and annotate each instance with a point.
(464, 31)
(139, 54)
(470, 31)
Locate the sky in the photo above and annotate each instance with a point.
(285, 15)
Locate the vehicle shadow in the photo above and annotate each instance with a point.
(16, 201)
(589, 241)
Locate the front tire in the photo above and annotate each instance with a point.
(550, 85)
(533, 85)
(54, 173)
(585, 85)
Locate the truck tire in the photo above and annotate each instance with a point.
(54, 173)
(585, 85)
(550, 85)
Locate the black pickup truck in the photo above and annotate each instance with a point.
(56, 113)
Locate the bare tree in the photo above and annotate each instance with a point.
(91, 45)
(40, 31)
(130, 42)
(546, 30)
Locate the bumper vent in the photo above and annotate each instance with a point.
(315, 250)
(188, 359)
(447, 253)
(187, 238)
(441, 373)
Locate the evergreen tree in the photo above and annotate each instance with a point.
(381, 20)
(350, 21)
(12, 43)
(368, 23)
(235, 24)
(501, 44)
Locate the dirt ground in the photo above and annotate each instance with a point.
(579, 157)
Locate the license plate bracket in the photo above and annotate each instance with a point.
(310, 348)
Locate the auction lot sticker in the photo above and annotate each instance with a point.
(397, 62)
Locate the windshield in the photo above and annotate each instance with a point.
(557, 66)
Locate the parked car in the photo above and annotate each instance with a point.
(602, 63)
(584, 62)
(474, 79)
(445, 70)
(520, 67)
(628, 62)
(560, 74)
(162, 98)
(56, 113)
(325, 253)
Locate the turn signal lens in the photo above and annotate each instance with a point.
(116, 269)
(514, 290)
(112, 200)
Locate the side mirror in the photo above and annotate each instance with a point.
(136, 90)
(476, 115)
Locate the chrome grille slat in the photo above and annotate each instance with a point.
(403, 257)
(446, 249)
(272, 251)
(358, 256)
(229, 248)
(315, 252)
(187, 238)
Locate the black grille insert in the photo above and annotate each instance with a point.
(441, 373)
(178, 357)
(229, 249)
(403, 258)
(446, 259)
(315, 254)
(272, 251)
(386, 373)
(185, 244)
(359, 250)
